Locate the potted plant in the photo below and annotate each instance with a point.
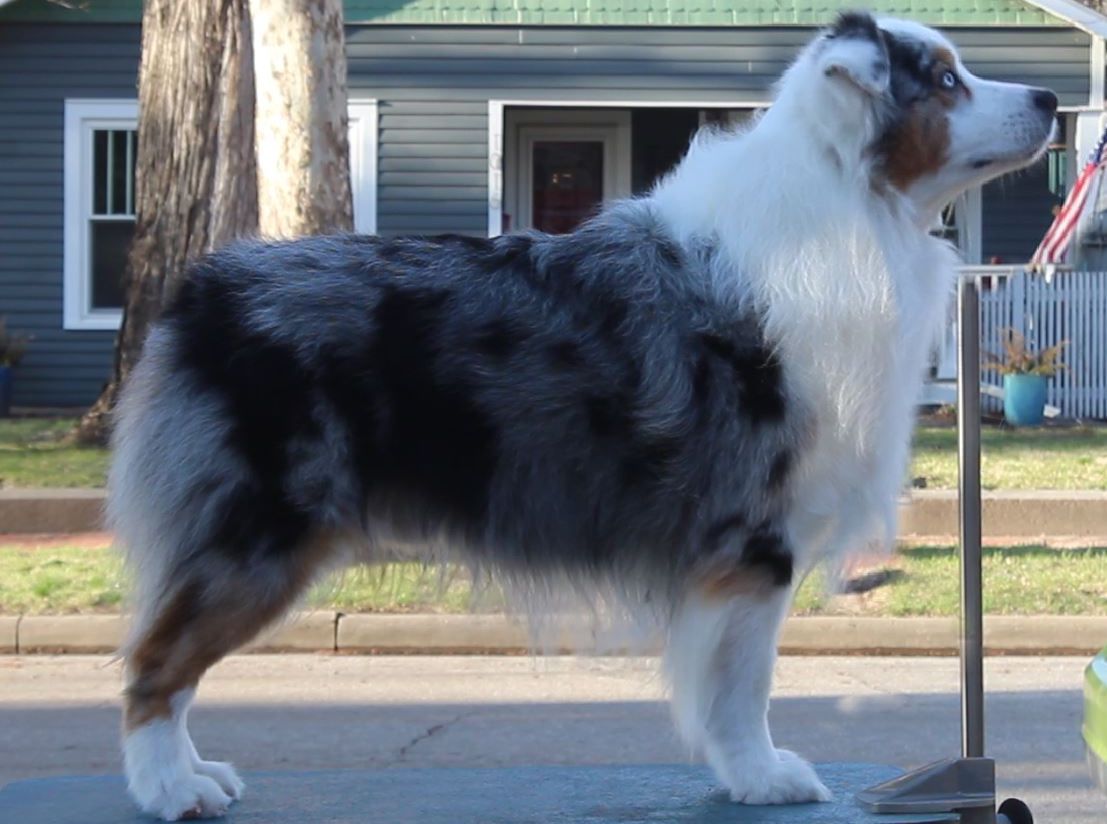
(12, 347)
(1026, 377)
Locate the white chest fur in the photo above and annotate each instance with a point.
(852, 291)
(855, 317)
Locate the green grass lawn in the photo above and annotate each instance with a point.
(1052, 458)
(1022, 580)
(1017, 581)
(33, 452)
(44, 580)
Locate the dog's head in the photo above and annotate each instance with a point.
(930, 127)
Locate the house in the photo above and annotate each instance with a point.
(469, 116)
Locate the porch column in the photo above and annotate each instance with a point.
(1089, 123)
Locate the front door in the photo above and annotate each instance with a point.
(563, 165)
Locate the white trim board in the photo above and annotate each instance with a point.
(1097, 63)
(1076, 13)
(363, 133)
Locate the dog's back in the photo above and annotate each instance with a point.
(548, 405)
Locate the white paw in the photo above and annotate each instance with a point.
(782, 778)
(222, 774)
(188, 796)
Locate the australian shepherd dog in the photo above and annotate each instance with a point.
(688, 401)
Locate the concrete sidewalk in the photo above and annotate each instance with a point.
(1022, 515)
(326, 631)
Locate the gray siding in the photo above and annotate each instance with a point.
(433, 85)
(40, 66)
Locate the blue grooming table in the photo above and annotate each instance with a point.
(518, 795)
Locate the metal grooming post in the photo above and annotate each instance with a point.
(965, 785)
(968, 488)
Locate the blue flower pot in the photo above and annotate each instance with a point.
(5, 391)
(1024, 399)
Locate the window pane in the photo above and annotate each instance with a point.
(110, 241)
(113, 171)
(119, 170)
(568, 183)
(99, 172)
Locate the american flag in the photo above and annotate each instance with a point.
(1055, 244)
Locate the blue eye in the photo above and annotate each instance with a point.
(948, 80)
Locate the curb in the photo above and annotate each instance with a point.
(1026, 514)
(52, 510)
(430, 634)
(1019, 515)
(426, 634)
(1003, 635)
(9, 634)
(302, 632)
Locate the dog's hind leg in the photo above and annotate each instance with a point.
(720, 657)
(214, 605)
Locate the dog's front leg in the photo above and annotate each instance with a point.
(720, 660)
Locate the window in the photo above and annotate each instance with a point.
(100, 150)
(99, 209)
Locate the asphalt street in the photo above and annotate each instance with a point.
(60, 715)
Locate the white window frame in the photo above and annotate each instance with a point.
(83, 117)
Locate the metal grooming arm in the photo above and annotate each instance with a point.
(965, 785)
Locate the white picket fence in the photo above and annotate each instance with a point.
(1070, 306)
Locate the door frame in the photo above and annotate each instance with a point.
(497, 147)
(525, 127)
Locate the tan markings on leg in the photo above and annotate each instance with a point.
(203, 622)
(723, 577)
(153, 662)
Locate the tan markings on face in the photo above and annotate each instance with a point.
(920, 144)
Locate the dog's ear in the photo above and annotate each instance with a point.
(854, 51)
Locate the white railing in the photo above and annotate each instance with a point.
(1069, 305)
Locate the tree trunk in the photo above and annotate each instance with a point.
(194, 181)
(302, 142)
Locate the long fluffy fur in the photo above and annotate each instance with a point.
(579, 405)
(687, 402)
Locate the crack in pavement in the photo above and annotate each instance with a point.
(430, 732)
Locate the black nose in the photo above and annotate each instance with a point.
(1044, 99)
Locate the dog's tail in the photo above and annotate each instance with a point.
(157, 443)
(211, 559)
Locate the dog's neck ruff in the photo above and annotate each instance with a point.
(852, 289)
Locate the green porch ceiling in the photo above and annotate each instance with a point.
(594, 12)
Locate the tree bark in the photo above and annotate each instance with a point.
(302, 141)
(194, 181)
